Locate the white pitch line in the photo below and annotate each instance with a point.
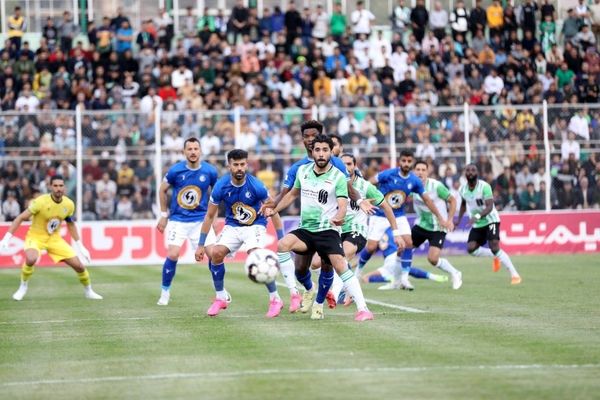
(396, 307)
(381, 303)
(316, 371)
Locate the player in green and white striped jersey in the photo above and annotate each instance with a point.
(323, 206)
(478, 200)
(354, 230)
(428, 228)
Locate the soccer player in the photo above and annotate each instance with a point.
(427, 227)
(385, 273)
(191, 180)
(323, 195)
(354, 229)
(243, 194)
(478, 200)
(310, 129)
(397, 184)
(48, 212)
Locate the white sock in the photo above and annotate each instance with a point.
(274, 295)
(445, 265)
(352, 287)
(482, 252)
(505, 260)
(222, 295)
(398, 269)
(288, 270)
(337, 285)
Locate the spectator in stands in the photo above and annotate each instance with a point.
(10, 207)
(105, 206)
(16, 28)
(530, 199)
(438, 21)
(67, 32)
(419, 18)
(586, 196)
(361, 19)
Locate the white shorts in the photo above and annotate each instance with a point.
(387, 270)
(178, 231)
(251, 237)
(378, 225)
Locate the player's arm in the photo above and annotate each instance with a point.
(461, 212)
(81, 250)
(444, 193)
(429, 203)
(488, 198)
(285, 202)
(341, 193)
(211, 213)
(24, 216)
(162, 198)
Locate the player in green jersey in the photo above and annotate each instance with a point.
(478, 200)
(323, 200)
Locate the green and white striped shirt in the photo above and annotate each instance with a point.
(438, 193)
(475, 200)
(356, 219)
(318, 198)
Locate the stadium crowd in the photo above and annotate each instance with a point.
(281, 67)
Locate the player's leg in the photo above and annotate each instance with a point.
(377, 227)
(404, 257)
(352, 287)
(494, 243)
(352, 243)
(32, 253)
(297, 242)
(288, 269)
(436, 242)
(229, 240)
(83, 275)
(176, 232)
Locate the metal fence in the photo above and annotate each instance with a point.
(539, 157)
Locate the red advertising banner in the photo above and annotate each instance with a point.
(138, 242)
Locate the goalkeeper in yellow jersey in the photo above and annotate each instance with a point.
(49, 211)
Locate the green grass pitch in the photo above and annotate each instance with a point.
(539, 340)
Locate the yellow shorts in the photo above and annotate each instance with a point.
(55, 245)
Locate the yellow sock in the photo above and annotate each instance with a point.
(84, 277)
(26, 272)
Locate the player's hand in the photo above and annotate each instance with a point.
(5, 242)
(84, 254)
(399, 242)
(266, 211)
(200, 251)
(337, 221)
(367, 206)
(162, 224)
(449, 225)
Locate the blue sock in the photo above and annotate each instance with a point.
(377, 278)
(364, 258)
(272, 287)
(418, 273)
(168, 272)
(325, 281)
(305, 280)
(218, 275)
(406, 259)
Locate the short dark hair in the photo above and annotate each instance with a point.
(191, 140)
(421, 162)
(56, 177)
(312, 124)
(336, 137)
(320, 138)
(349, 155)
(407, 153)
(237, 154)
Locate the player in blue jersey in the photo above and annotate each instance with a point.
(190, 180)
(243, 195)
(310, 129)
(385, 273)
(397, 184)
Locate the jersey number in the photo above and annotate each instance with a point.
(493, 228)
(323, 195)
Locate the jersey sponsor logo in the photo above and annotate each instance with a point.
(243, 213)
(354, 206)
(323, 196)
(248, 195)
(189, 197)
(395, 198)
(202, 178)
(52, 225)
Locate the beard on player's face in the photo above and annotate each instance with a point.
(239, 175)
(321, 161)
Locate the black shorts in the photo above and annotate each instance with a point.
(324, 243)
(420, 236)
(356, 239)
(483, 235)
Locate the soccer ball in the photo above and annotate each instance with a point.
(262, 266)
